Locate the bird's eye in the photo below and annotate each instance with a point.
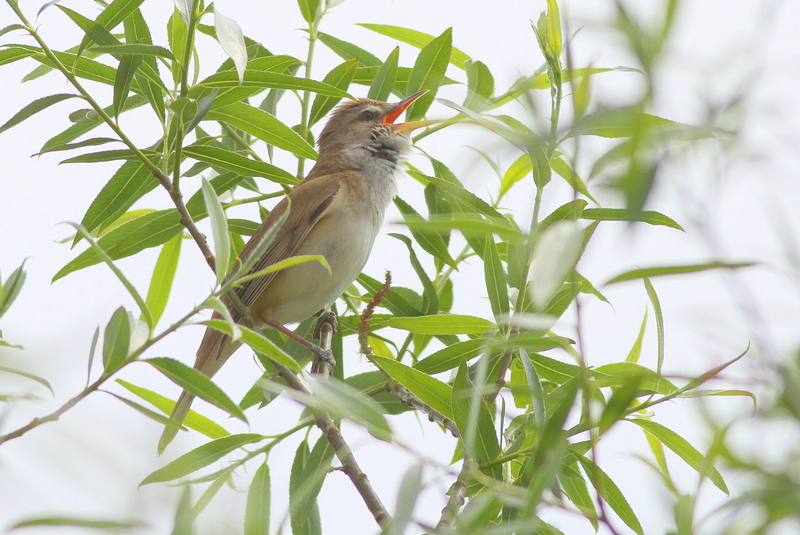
(367, 115)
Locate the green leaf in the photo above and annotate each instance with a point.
(116, 340)
(383, 82)
(193, 420)
(480, 85)
(309, 9)
(305, 482)
(264, 126)
(11, 288)
(163, 420)
(347, 50)
(496, 283)
(75, 522)
(29, 375)
(256, 514)
(416, 39)
(196, 384)
(618, 374)
(399, 301)
(219, 227)
(636, 349)
(431, 391)
(35, 107)
(341, 400)
(431, 242)
(475, 424)
(340, 76)
(430, 299)
(428, 73)
(684, 450)
(131, 181)
(268, 79)
(233, 161)
(200, 457)
(450, 357)
(467, 222)
(126, 72)
(163, 276)
(258, 343)
(626, 122)
(610, 493)
(676, 270)
(622, 214)
(518, 170)
(443, 324)
(578, 492)
(150, 230)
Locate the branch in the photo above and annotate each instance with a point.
(457, 496)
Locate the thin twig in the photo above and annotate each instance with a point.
(397, 389)
(457, 496)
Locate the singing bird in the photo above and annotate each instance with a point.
(336, 212)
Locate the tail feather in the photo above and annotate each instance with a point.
(215, 349)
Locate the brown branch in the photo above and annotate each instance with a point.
(457, 496)
(407, 398)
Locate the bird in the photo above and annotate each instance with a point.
(336, 211)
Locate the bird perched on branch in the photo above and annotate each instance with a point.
(336, 212)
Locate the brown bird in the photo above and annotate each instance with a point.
(336, 212)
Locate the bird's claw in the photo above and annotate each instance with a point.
(322, 356)
(325, 317)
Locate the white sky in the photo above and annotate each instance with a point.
(90, 462)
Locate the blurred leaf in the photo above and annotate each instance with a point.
(399, 301)
(196, 384)
(610, 493)
(621, 214)
(256, 515)
(617, 406)
(29, 375)
(684, 450)
(340, 76)
(480, 85)
(76, 522)
(618, 374)
(343, 401)
(200, 457)
(237, 163)
(430, 297)
(443, 324)
(183, 512)
(554, 258)
(428, 73)
(193, 420)
(431, 391)
(35, 107)
(383, 83)
(163, 277)
(416, 39)
(229, 35)
(450, 357)
(676, 270)
(305, 482)
(578, 492)
(116, 341)
(163, 420)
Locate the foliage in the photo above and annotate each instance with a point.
(527, 410)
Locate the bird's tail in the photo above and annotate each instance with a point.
(214, 351)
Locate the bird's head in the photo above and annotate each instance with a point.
(365, 124)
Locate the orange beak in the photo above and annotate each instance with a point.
(401, 107)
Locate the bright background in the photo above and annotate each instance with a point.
(736, 60)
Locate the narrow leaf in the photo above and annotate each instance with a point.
(201, 457)
(229, 35)
(256, 514)
(431, 391)
(676, 270)
(35, 107)
(163, 276)
(443, 324)
(197, 384)
(219, 227)
(340, 76)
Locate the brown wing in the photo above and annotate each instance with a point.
(309, 202)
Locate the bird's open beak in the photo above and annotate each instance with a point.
(392, 116)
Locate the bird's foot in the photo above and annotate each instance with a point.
(323, 360)
(325, 317)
